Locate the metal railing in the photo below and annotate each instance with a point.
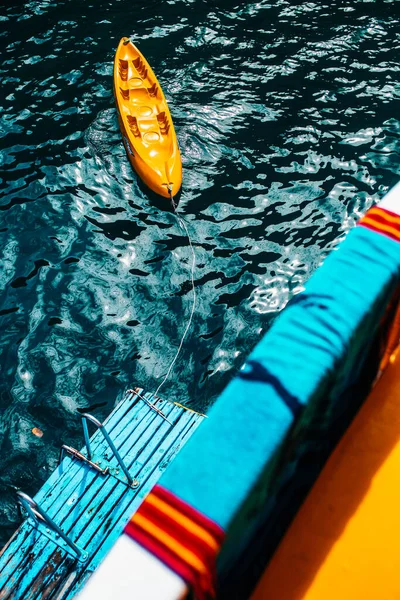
(38, 515)
(86, 417)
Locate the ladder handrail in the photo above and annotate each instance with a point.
(38, 514)
(87, 417)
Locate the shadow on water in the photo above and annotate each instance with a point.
(287, 120)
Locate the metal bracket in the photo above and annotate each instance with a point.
(134, 483)
(76, 454)
(43, 523)
(150, 404)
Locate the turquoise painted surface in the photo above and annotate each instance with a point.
(314, 350)
(90, 507)
(252, 463)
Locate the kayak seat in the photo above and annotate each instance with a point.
(124, 94)
(123, 69)
(151, 137)
(139, 95)
(133, 125)
(153, 90)
(140, 67)
(135, 82)
(163, 123)
(147, 125)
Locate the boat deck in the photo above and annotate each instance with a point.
(92, 502)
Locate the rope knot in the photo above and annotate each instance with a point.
(174, 206)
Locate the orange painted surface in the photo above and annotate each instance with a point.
(146, 124)
(344, 542)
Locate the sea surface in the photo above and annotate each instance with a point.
(288, 120)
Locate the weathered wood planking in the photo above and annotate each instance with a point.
(90, 507)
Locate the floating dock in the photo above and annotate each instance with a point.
(82, 508)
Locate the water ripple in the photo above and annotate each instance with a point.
(287, 119)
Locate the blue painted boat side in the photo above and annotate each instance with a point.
(292, 400)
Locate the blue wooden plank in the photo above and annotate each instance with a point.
(18, 558)
(125, 416)
(33, 553)
(124, 434)
(65, 496)
(181, 442)
(103, 514)
(11, 573)
(75, 521)
(43, 561)
(108, 531)
(60, 485)
(167, 450)
(146, 429)
(51, 580)
(135, 500)
(71, 494)
(61, 473)
(63, 493)
(80, 502)
(84, 509)
(159, 426)
(127, 405)
(63, 580)
(53, 504)
(144, 474)
(31, 582)
(74, 525)
(12, 546)
(148, 451)
(92, 508)
(149, 414)
(130, 410)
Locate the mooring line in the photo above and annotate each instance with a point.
(183, 225)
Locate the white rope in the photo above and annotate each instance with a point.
(183, 225)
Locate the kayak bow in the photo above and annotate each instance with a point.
(146, 124)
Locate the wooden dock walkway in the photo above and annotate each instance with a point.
(91, 503)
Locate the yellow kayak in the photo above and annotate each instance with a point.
(147, 129)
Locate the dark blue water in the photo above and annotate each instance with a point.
(287, 115)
